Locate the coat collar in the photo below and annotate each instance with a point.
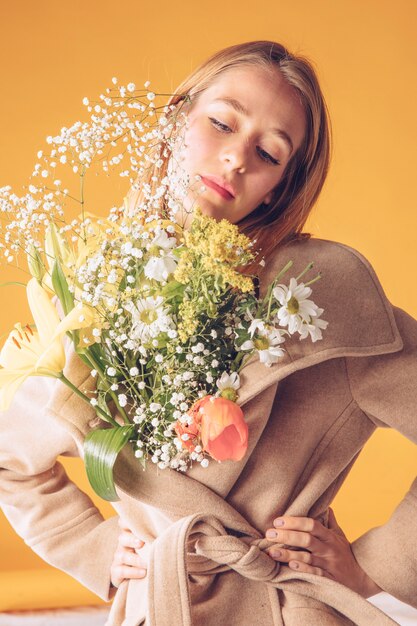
(361, 319)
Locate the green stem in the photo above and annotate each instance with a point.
(282, 272)
(245, 360)
(82, 202)
(313, 280)
(269, 307)
(81, 395)
(268, 297)
(306, 269)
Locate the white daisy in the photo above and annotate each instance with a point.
(159, 268)
(228, 385)
(313, 327)
(162, 262)
(295, 309)
(149, 318)
(228, 380)
(266, 342)
(256, 324)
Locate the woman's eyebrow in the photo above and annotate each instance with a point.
(240, 108)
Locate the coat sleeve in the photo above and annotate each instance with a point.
(385, 388)
(57, 520)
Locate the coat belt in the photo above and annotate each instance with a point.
(215, 551)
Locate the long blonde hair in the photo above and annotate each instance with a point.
(282, 220)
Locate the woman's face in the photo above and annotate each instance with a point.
(241, 133)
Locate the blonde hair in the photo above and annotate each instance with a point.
(283, 218)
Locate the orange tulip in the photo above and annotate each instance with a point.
(224, 432)
(218, 426)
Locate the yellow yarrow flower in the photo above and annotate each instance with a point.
(188, 324)
(185, 267)
(221, 241)
(216, 248)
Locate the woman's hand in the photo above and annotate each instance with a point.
(322, 551)
(126, 562)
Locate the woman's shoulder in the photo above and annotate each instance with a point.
(333, 259)
(327, 250)
(348, 290)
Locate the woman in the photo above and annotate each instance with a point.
(252, 541)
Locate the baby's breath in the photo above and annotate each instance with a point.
(171, 316)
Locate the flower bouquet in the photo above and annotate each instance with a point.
(165, 317)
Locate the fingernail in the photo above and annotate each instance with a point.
(142, 573)
(276, 554)
(278, 522)
(271, 534)
(138, 543)
(294, 565)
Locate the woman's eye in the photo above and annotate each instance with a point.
(219, 125)
(267, 157)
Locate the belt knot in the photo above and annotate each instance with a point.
(248, 560)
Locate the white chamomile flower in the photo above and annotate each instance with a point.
(160, 266)
(265, 341)
(228, 384)
(149, 318)
(256, 325)
(228, 380)
(295, 306)
(313, 327)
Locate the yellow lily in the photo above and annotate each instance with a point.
(56, 246)
(37, 352)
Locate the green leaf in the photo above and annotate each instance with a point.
(80, 351)
(172, 289)
(60, 286)
(101, 448)
(97, 353)
(123, 283)
(13, 282)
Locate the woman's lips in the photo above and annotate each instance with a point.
(220, 190)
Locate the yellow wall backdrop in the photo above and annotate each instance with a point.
(55, 53)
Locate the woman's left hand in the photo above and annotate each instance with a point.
(322, 551)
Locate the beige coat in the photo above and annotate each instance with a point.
(309, 416)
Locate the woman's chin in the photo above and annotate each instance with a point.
(184, 217)
(209, 210)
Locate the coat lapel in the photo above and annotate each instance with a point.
(361, 319)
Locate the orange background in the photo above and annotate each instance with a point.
(55, 53)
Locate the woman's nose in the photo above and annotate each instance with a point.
(236, 156)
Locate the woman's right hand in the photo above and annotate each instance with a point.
(127, 563)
